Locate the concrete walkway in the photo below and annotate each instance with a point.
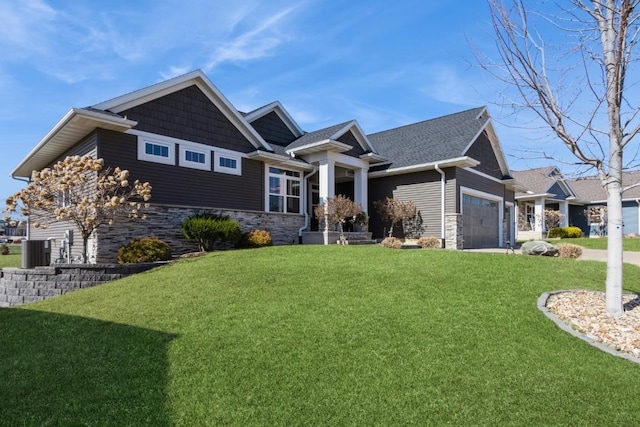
(587, 254)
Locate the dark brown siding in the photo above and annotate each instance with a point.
(273, 130)
(423, 188)
(349, 139)
(188, 114)
(482, 151)
(177, 185)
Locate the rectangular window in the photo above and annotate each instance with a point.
(192, 156)
(195, 156)
(227, 163)
(284, 190)
(155, 151)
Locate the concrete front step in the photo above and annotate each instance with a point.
(360, 242)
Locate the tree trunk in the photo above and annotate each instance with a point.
(614, 253)
(85, 242)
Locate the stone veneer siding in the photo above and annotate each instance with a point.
(453, 229)
(21, 286)
(165, 223)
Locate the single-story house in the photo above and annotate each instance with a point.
(580, 200)
(201, 154)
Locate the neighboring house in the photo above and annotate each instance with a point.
(580, 200)
(201, 154)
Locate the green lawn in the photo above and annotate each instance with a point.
(13, 259)
(629, 244)
(314, 335)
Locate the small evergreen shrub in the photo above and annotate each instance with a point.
(392, 242)
(429, 242)
(557, 232)
(256, 239)
(567, 250)
(4, 249)
(144, 249)
(208, 230)
(573, 232)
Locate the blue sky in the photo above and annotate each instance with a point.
(382, 63)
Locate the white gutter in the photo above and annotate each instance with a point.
(442, 201)
(305, 196)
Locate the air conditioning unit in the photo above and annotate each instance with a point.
(36, 253)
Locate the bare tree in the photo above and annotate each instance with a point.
(79, 190)
(337, 210)
(396, 211)
(578, 87)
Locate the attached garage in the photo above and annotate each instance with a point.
(481, 222)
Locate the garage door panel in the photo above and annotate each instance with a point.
(480, 221)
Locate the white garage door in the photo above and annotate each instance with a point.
(480, 219)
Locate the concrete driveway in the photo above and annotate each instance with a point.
(587, 254)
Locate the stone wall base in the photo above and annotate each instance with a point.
(454, 238)
(165, 223)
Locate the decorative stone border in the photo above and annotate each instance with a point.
(542, 306)
(20, 286)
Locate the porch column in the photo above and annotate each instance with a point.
(564, 210)
(360, 188)
(327, 188)
(539, 213)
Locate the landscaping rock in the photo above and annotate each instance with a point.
(539, 247)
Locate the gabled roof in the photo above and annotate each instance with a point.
(327, 139)
(198, 78)
(430, 142)
(591, 188)
(76, 124)
(277, 108)
(539, 180)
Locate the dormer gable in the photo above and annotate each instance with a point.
(274, 124)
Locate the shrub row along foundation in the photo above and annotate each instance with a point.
(21, 286)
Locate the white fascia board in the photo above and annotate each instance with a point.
(272, 158)
(94, 119)
(359, 134)
(461, 162)
(373, 158)
(175, 84)
(484, 175)
(327, 144)
(535, 196)
(284, 115)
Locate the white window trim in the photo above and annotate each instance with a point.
(283, 188)
(142, 155)
(217, 154)
(183, 148)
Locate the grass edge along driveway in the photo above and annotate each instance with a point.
(313, 335)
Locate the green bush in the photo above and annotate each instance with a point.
(4, 249)
(392, 242)
(208, 230)
(573, 232)
(144, 249)
(565, 232)
(256, 239)
(429, 242)
(557, 232)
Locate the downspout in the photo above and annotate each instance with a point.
(442, 203)
(28, 181)
(305, 196)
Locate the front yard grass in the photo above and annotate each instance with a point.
(629, 244)
(14, 257)
(314, 335)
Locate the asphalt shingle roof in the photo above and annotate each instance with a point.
(591, 189)
(538, 180)
(429, 141)
(316, 136)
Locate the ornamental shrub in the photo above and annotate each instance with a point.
(557, 232)
(567, 250)
(430, 242)
(4, 249)
(144, 249)
(573, 232)
(392, 242)
(256, 239)
(209, 230)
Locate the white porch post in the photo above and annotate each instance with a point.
(360, 188)
(564, 210)
(327, 188)
(539, 213)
